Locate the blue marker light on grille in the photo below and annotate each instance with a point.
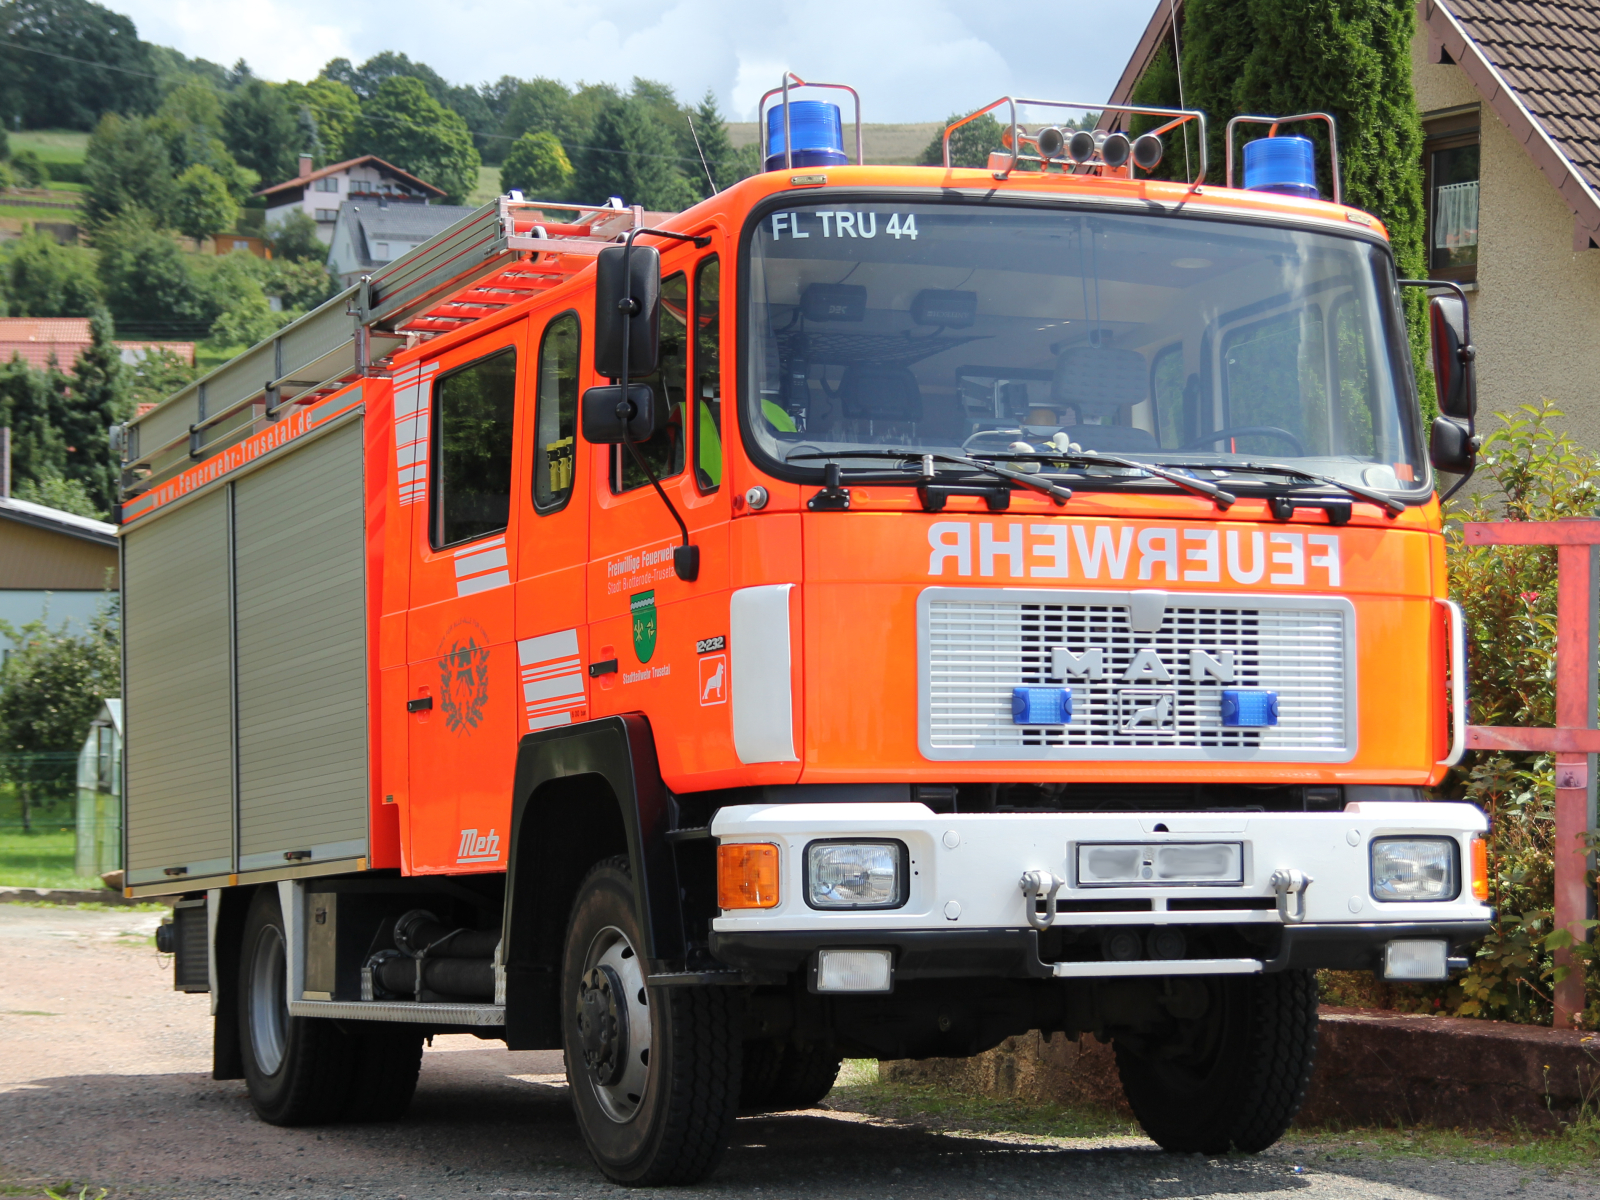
(817, 131)
(1281, 164)
(1041, 706)
(1244, 708)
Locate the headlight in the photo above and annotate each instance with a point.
(855, 874)
(1415, 869)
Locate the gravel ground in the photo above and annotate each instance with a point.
(104, 1081)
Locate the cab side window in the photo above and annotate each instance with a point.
(556, 414)
(665, 451)
(473, 409)
(708, 375)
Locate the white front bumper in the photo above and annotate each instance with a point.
(965, 868)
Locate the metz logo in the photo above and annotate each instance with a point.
(478, 847)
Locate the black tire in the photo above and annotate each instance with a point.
(782, 1076)
(298, 1070)
(1234, 1077)
(388, 1059)
(669, 1122)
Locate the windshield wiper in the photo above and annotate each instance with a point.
(1198, 487)
(1392, 506)
(1057, 493)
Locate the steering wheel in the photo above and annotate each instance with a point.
(1210, 439)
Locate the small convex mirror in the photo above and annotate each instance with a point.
(1454, 372)
(631, 303)
(607, 421)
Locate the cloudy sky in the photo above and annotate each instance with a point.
(912, 60)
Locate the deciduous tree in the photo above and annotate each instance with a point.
(538, 167)
(404, 125)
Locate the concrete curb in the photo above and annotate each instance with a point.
(1373, 1068)
(25, 895)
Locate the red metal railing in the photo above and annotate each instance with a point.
(1574, 738)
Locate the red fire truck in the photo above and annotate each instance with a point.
(877, 611)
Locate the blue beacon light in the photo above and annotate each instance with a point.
(817, 131)
(1286, 165)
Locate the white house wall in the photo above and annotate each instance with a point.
(1537, 308)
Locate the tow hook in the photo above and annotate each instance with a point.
(1286, 883)
(1036, 885)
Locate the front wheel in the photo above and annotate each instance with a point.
(654, 1074)
(1232, 1076)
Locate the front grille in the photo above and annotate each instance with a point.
(1147, 694)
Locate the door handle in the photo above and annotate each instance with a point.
(421, 704)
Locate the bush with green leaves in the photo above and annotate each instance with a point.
(1508, 595)
(29, 170)
(538, 167)
(52, 685)
(295, 238)
(42, 278)
(201, 205)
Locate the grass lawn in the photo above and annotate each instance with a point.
(859, 1090)
(44, 856)
(488, 187)
(51, 145)
(17, 212)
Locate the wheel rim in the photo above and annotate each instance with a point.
(269, 1015)
(613, 1021)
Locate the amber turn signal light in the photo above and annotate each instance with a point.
(1480, 870)
(747, 875)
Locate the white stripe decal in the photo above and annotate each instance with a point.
(483, 583)
(483, 560)
(553, 684)
(411, 430)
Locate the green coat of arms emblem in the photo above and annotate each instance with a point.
(643, 608)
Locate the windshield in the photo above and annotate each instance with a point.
(966, 329)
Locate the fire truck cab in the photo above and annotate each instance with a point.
(875, 612)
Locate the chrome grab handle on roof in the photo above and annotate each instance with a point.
(1180, 116)
(788, 146)
(1274, 122)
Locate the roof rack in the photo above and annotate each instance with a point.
(1012, 155)
(500, 255)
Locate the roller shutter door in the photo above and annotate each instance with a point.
(300, 634)
(179, 758)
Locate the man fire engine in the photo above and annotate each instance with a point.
(877, 611)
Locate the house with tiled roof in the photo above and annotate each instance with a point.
(366, 235)
(1509, 92)
(38, 340)
(365, 180)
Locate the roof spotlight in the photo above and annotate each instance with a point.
(1080, 148)
(1147, 151)
(1114, 150)
(1051, 142)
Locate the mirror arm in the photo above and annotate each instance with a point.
(685, 558)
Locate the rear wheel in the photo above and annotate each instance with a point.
(297, 1069)
(654, 1074)
(782, 1076)
(1233, 1076)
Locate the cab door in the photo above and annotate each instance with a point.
(460, 630)
(667, 636)
(552, 637)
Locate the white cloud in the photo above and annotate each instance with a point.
(912, 60)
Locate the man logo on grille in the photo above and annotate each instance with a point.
(1146, 712)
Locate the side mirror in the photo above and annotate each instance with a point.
(1453, 372)
(604, 414)
(1450, 446)
(631, 303)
